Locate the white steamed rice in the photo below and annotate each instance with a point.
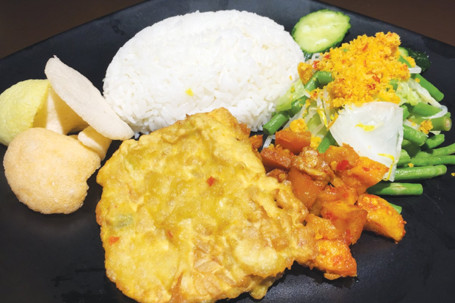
(198, 62)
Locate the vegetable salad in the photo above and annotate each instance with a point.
(370, 93)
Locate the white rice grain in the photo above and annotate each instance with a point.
(198, 62)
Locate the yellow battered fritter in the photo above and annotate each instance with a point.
(48, 171)
(187, 214)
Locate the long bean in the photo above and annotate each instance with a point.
(419, 172)
(406, 112)
(424, 109)
(296, 105)
(414, 135)
(326, 142)
(404, 158)
(443, 123)
(319, 78)
(277, 121)
(396, 189)
(398, 208)
(434, 141)
(433, 90)
(441, 151)
(411, 148)
(433, 160)
(323, 77)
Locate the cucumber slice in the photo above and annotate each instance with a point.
(320, 30)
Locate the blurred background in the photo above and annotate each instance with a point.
(26, 22)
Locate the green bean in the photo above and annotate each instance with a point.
(312, 84)
(405, 142)
(441, 151)
(277, 121)
(424, 109)
(433, 160)
(404, 158)
(319, 78)
(281, 117)
(433, 90)
(420, 172)
(443, 123)
(396, 189)
(398, 208)
(296, 105)
(326, 142)
(406, 112)
(411, 148)
(414, 135)
(323, 77)
(434, 141)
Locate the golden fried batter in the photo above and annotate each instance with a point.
(48, 171)
(188, 214)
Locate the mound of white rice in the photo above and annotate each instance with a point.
(202, 61)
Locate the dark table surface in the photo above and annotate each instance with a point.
(25, 22)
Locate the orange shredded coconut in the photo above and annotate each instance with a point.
(411, 61)
(426, 126)
(315, 141)
(362, 70)
(298, 125)
(305, 71)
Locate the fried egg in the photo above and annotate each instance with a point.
(188, 214)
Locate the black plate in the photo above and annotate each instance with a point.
(59, 258)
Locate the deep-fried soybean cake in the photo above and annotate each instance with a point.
(188, 214)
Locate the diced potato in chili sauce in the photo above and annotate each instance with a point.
(310, 162)
(256, 141)
(279, 174)
(276, 157)
(334, 193)
(382, 218)
(332, 186)
(364, 174)
(304, 187)
(355, 171)
(348, 219)
(334, 256)
(293, 141)
(340, 157)
(335, 259)
(323, 228)
(339, 193)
